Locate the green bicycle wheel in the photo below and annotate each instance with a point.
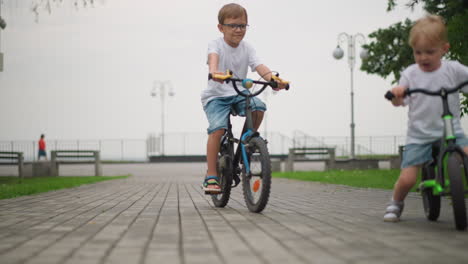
(431, 202)
(457, 191)
(256, 184)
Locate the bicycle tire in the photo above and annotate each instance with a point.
(256, 185)
(224, 169)
(431, 202)
(457, 191)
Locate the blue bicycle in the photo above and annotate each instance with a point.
(251, 159)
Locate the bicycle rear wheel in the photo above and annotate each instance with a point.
(457, 191)
(224, 168)
(257, 182)
(431, 202)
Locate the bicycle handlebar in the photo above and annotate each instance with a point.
(247, 83)
(441, 92)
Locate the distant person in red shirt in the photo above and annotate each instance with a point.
(42, 148)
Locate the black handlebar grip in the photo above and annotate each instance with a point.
(287, 87)
(274, 84)
(389, 95)
(210, 76)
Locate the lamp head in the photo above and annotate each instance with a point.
(364, 54)
(338, 53)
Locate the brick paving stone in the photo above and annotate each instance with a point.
(160, 215)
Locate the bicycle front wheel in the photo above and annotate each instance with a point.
(457, 191)
(256, 182)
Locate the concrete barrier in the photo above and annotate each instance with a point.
(39, 169)
(275, 165)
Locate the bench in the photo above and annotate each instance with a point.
(302, 154)
(18, 156)
(70, 156)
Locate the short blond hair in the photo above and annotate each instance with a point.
(231, 11)
(430, 27)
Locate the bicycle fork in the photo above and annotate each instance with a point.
(245, 160)
(440, 182)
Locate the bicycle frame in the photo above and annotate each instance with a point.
(246, 134)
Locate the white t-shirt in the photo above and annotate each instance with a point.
(425, 122)
(235, 59)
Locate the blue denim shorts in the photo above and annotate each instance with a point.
(417, 154)
(217, 110)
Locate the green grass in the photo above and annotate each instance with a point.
(382, 179)
(12, 187)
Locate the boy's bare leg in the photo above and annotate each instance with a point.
(212, 149)
(403, 185)
(257, 117)
(406, 181)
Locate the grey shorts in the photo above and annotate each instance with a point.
(217, 110)
(417, 154)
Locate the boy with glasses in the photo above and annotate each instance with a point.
(229, 52)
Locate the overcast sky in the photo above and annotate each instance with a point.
(88, 74)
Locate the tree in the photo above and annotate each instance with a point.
(390, 54)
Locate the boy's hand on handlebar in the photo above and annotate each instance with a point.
(396, 95)
(399, 91)
(281, 84)
(217, 76)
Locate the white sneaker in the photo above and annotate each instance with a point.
(393, 211)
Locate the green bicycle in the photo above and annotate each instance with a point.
(442, 176)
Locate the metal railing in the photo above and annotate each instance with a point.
(195, 144)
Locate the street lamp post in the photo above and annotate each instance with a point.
(2, 26)
(159, 89)
(338, 54)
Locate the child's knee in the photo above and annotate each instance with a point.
(217, 133)
(406, 181)
(257, 113)
(408, 176)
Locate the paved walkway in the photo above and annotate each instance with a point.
(161, 216)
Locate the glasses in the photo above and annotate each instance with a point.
(235, 26)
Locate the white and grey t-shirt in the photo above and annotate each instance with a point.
(235, 59)
(425, 112)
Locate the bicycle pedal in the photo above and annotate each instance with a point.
(212, 193)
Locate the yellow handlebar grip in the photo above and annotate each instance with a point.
(276, 78)
(223, 76)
